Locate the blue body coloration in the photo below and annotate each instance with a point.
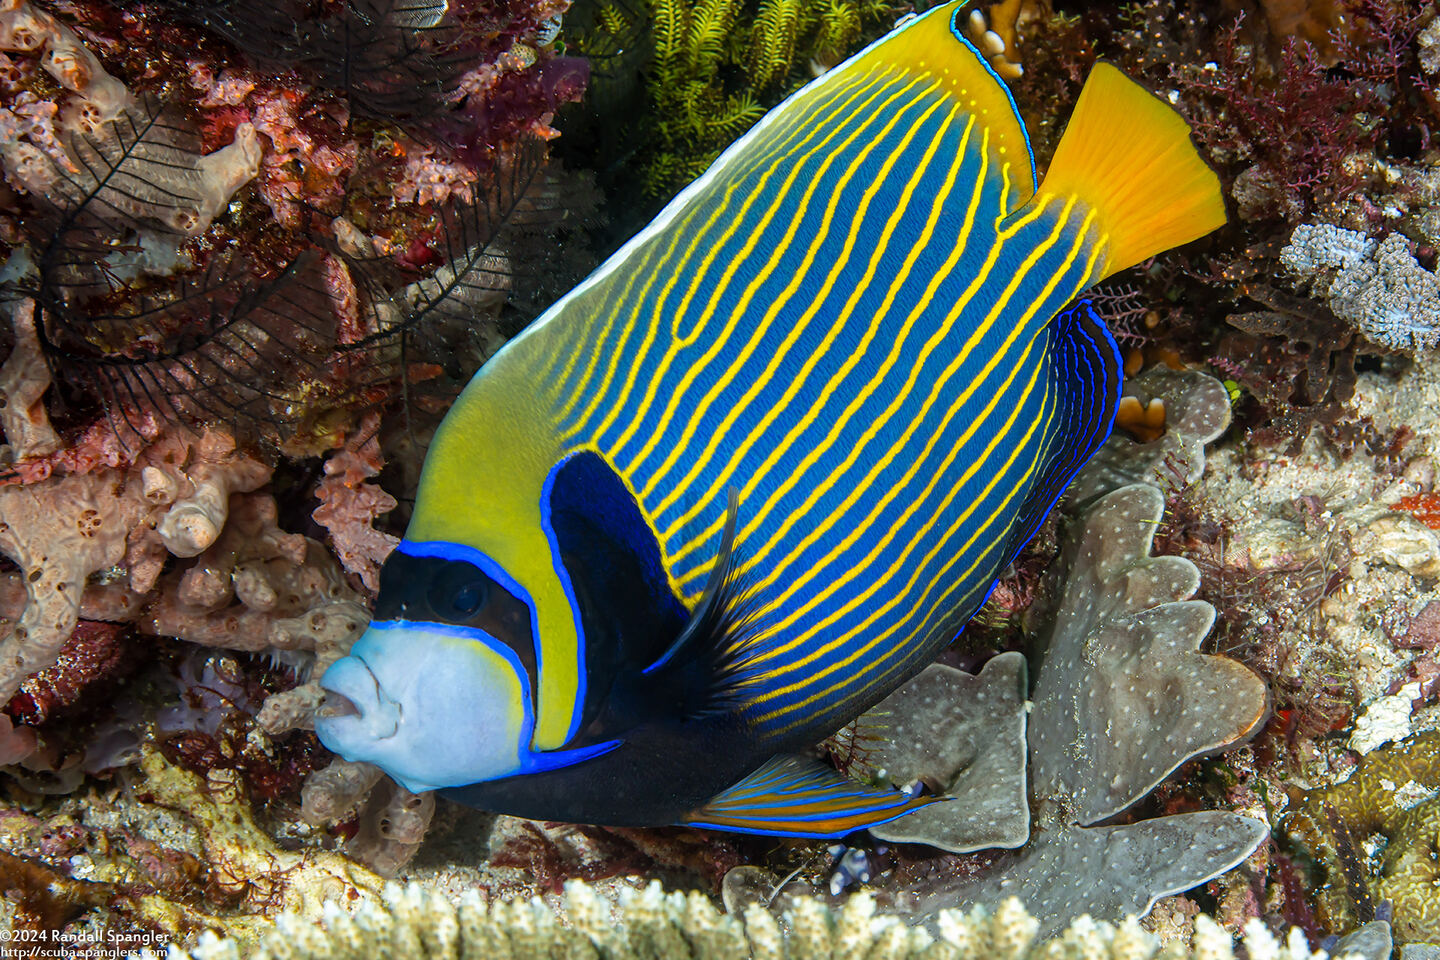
(888, 414)
(761, 466)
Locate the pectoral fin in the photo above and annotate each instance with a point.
(799, 797)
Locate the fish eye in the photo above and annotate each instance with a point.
(468, 599)
(459, 594)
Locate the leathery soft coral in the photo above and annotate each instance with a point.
(1122, 698)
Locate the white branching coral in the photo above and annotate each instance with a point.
(421, 924)
(1380, 289)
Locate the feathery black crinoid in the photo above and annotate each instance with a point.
(152, 313)
(501, 243)
(135, 306)
(391, 59)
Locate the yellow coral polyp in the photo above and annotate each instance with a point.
(1379, 798)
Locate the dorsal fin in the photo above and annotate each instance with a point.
(799, 797)
(934, 44)
(1086, 367)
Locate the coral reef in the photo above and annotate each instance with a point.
(1121, 699)
(213, 867)
(194, 249)
(413, 922)
(1379, 289)
(1119, 664)
(249, 588)
(251, 251)
(1393, 793)
(349, 505)
(216, 273)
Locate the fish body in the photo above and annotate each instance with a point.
(762, 465)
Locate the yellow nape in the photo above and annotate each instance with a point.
(931, 46)
(1127, 154)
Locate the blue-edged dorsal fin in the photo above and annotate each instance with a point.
(1087, 372)
(934, 45)
(794, 796)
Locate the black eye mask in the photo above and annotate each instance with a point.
(437, 590)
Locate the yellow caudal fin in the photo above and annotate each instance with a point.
(1127, 154)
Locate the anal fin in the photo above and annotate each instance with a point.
(794, 796)
(1088, 373)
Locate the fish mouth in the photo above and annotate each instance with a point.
(337, 705)
(355, 704)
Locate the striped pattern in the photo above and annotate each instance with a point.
(795, 797)
(846, 328)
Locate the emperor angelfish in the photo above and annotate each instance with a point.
(762, 465)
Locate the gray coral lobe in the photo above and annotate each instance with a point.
(1122, 697)
(966, 733)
